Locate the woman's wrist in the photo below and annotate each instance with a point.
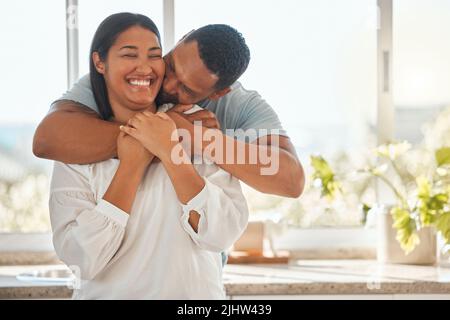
(185, 178)
(169, 151)
(132, 168)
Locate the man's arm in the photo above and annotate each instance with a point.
(284, 173)
(287, 180)
(74, 134)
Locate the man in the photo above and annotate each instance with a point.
(202, 69)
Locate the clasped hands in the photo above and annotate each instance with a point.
(148, 135)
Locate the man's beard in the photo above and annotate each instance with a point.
(163, 98)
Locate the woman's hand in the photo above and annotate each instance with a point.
(156, 132)
(131, 152)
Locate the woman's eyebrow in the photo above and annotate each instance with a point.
(129, 47)
(136, 48)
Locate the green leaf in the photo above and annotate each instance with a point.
(438, 201)
(406, 229)
(443, 226)
(423, 188)
(323, 172)
(365, 208)
(443, 156)
(429, 206)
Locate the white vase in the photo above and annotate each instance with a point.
(389, 250)
(444, 252)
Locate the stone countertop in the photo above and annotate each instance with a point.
(301, 277)
(335, 277)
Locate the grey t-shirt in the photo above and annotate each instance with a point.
(241, 113)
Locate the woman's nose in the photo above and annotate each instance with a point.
(144, 68)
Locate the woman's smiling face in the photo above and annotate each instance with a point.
(133, 70)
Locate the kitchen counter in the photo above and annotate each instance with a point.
(300, 279)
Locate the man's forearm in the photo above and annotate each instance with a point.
(288, 180)
(268, 169)
(75, 138)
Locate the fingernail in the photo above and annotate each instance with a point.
(121, 127)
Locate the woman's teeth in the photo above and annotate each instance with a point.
(140, 83)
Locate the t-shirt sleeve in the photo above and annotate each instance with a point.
(81, 92)
(257, 119)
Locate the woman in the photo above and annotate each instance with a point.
(135, 230)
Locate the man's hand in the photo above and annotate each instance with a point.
(185, 120)
(207, 118)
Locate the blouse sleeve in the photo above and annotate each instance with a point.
(86, 234)
(223, 212)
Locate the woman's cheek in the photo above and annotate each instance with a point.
(123, 66)
(126, 67)
(161, 67)
(161, 71)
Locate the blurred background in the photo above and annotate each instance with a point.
(314, 61)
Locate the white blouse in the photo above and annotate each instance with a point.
(153, 253)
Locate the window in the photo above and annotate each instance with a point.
(33, 64)
(314, 61)
(421, 63)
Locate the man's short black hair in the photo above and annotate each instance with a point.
(224, 52)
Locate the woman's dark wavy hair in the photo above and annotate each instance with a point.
(104, 38)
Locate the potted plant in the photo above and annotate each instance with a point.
(421, 206)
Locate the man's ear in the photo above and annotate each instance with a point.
(219, 94)
(98, 63)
